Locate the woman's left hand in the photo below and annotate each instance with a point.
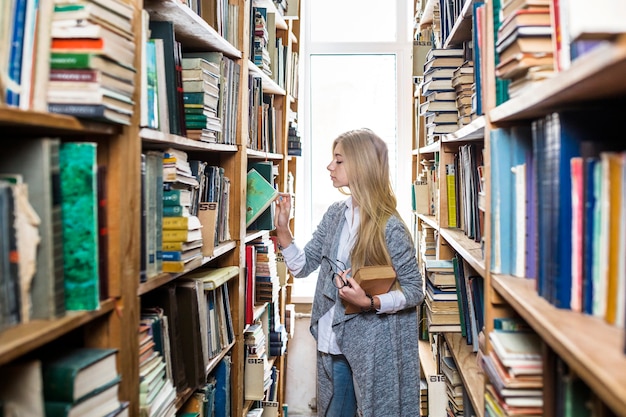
(353, 293)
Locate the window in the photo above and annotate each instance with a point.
(357, 73)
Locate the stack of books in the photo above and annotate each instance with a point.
(186, 232)
(82, 382)
(427, 242)
(423, 397)
(514, 369)
(201, 91)
(442, 307)
(267, 283)
(439, 108)
(256, 362)
(294, 141)
(454, 385)
(92, 60)
(463, 83)
(261, 55)
(524, 44)
(156, 390)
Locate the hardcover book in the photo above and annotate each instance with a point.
(37, 160)
(260, 194)
(76, 373)
(374, 280)
(79, 199)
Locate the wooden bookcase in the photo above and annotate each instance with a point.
(116, 322)
(591, 347)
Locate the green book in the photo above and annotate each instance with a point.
(79, 204)
(77, 373)
(259, 195)
(103, 401)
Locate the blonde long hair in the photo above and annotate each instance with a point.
(367, 167)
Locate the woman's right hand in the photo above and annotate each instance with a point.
(282, 210)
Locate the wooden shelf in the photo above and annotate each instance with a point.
(469, 369)
(469, 249)
(191, 30)
(160, 140)
(166, 277)
(23, 338)
(429, 220)
(599, 74)
(254, 154)
(591, 347)
(462, 29)
(19, 121)
(269, 85)
(432, 148)
(427, 361)
(475, 131)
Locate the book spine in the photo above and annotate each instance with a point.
(175, 235)
(79, 194)
(77, 75)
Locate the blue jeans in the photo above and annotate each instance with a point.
(343, 403)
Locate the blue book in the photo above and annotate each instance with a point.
(590, 203)
(222, 388)
(502, 186)
(15, 53)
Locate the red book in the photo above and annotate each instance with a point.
(250, 280)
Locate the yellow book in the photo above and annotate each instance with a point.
(451, 193)
(181, 223)
(615, 166)
(181, 235)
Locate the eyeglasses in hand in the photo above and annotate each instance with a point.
(335, 268)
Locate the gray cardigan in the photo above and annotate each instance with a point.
(382, 349)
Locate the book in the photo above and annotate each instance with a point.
(87, 60)
(265, 221)
(21, 389)
(180, 235)
(88, 79)
(120, 50)
(100, 402)
(165, 30)
(182, 265)
(260, 194)
(516, 347)
(177, 197)
(79, 200)
(91, 111)
(181, 223)
(37, 160)
(74, 374)
(94, 12)
(374, 280)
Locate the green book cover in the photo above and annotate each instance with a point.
(77, 373)
(259, 195)
(79, 202)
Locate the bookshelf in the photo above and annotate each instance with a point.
(116, 321)
(590, 81)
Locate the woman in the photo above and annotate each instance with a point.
(367, 360)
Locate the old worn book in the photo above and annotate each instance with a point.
(375, 280)
(76, 373)
(37, 160)
(79, 200)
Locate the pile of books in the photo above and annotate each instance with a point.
(515, 370)
(201, 92)
(92, 60)
(439, 108)
(84, 382)
(524, 44)
(442, 307)
(463, 83)
(261, 54)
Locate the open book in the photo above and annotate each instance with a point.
(374, 280)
